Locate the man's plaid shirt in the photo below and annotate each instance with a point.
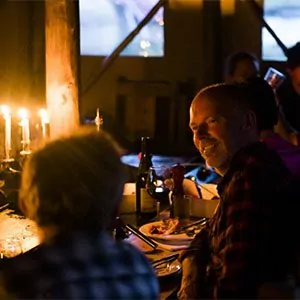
(83, 265)
(250, 239)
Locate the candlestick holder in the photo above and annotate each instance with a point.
(25, 152)
(7, 160)
(25, 148)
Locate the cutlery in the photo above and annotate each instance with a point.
(140, 235)
(3, 207)
(202, 221)
(164, 260)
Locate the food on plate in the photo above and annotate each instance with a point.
(174, 226)
(167, 227)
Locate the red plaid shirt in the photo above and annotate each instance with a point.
(249, 239)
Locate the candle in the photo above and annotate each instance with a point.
(7, 118)
(44, 122)
(98, 120)
(25, 128)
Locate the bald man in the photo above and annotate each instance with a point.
(238, 251)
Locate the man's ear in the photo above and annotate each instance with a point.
(250, 120)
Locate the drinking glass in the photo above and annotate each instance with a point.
(157, 188)
(274, 78)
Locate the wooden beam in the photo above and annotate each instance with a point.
(62, 65)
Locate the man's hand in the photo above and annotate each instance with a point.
(194, 262)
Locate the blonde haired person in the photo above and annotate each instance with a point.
(72, 188)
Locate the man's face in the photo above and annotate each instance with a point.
(295, 77)
(245, 69)
(217, 132)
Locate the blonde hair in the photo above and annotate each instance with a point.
(75, 182)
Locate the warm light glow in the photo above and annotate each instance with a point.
(62, 109)
(44, 116)
(181, 4)
(98, 120)
(5, 110)
(23, 113)
(43, 113)
(227, 7)
(7, 142)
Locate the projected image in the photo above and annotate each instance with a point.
(105, 23)
(284, 18)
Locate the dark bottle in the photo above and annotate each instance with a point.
(145, 204)
(178, 207)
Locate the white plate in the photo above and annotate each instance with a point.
(168, 269)
(145, 229)
(173, 246)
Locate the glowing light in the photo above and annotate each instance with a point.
(7, 117)
(44, 116)
(23, 113)
(44, 122)
(227, 7)
(144, 44)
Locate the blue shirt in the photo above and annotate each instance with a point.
(82, 265)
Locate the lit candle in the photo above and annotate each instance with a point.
(44, 122)
(25, 128)
(98, 120)
(7, 118)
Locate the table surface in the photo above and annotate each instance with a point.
(19, 230)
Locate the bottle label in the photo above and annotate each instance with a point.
(148, 204)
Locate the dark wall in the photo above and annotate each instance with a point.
(197, 40)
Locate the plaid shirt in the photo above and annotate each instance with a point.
(247, 242)
(82, 265)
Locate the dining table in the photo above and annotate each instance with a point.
(17, 234)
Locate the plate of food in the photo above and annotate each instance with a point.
(169, 230)
(167, 268)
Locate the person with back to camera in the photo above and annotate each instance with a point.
(72, 188)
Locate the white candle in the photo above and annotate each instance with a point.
(44, 122)
(7, 118)
(25, 127)
(26, 130)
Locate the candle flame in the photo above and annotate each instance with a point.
(44, 115)
(23, 113)
(5, 110)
